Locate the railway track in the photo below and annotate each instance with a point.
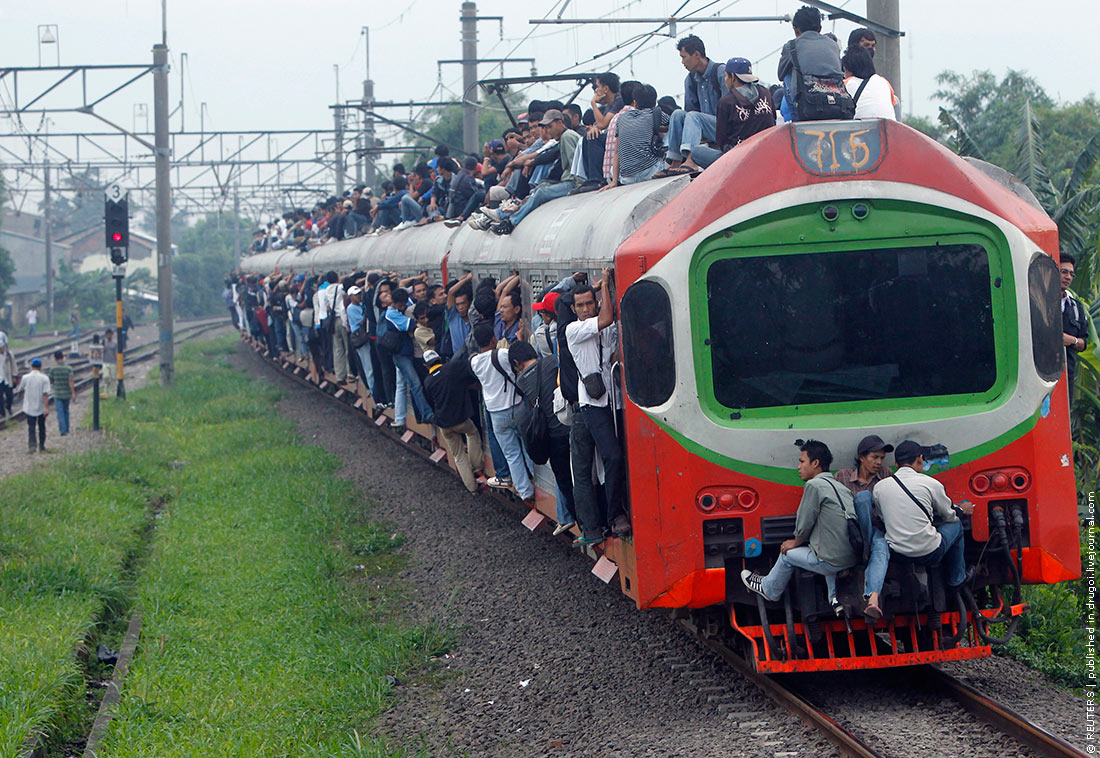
(47, 349)
(782, 690)
(82, 369)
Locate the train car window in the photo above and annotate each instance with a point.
(647, 343)
(845, 326)
(1044, 291)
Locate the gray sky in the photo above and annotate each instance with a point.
(270, 64)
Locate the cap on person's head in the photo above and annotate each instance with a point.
(36, 363)
(551, 116)
(496, 146)
(299, 277)
(548, 302)
(354, 291)
(907, 452)
(431, 357)
(349, 204)
(872, 443)
(742, 69)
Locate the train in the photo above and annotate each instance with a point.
(824, 280)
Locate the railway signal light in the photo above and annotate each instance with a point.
(116, 220)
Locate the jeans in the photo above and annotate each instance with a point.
(563, 477)
(879, 561)
(949, 553)
(410, 209)
(506, 427)
(389, 216)
(544, 193)
(61, 407)
(804, 558)
(592, 432)
(472, 204)
(500, 463)
(592, 153)
(704, 155)
(278, 326)
(75, 331)
(649, 173)
(368, 368)
(355, 222)
(39, 423)
(6, 395)
(30, 329)
(463, 443)
(686, 130)
(407, 379)
(301, 334)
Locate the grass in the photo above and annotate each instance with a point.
(270, 625)
(64, 534)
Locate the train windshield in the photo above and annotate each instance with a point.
(844, 326)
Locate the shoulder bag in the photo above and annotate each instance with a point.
(593, 383)
(855, 534)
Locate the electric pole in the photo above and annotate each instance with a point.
(469, 78)
(47, 220)
(369, 174)
(164, 214)
(888, 49)
(338, 153)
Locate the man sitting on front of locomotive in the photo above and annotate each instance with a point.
(910, 502)
(820, 543)
(869, 470)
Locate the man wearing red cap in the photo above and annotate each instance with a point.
(546, 334)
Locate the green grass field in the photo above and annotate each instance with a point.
(271, 617)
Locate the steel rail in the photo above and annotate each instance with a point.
(1001, 717)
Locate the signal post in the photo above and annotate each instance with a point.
(116, 218)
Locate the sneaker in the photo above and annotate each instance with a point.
(755, 582)
(397, 426)
(479, 221)
(404, 225)
(453, 223)
(510, 206)
(491, 213)
(588, 540)
(562, 528)
(500, 482)
(837, 606)
(502, 228)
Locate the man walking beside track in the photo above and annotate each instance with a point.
(36, 397)
(61, 380)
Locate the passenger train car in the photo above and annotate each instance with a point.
(824, 280)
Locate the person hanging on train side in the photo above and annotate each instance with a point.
(447, 390)
(397, 320)
(507, 320)
(536, 378)
(820, 543)
(545, 336)
(593, 340)
(457, 313)
(870, 468)
(501, 397)
(911, 504)
(1075, 327)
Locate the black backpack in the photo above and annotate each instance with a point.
(820, 98)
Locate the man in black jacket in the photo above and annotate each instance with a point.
(447, 391)
(1075, 325)
(537, 378)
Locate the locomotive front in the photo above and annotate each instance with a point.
(831, 280)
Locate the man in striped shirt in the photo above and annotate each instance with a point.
(639, 151)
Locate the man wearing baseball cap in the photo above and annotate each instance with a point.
(554, 121)
(36, 398)
(545, 337)
(870, 468)
(911, 503)
(745, 111)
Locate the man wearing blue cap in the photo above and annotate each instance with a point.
(36, 398)
(744, 111)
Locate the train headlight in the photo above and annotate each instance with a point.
(830, 213)
(861, 211)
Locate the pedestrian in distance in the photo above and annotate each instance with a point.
(61, 382)
(8, 377)
(36, 398)
(32, 321)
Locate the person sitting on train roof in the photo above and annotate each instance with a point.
(447, 389)
(501, 397)
(870, 468)
(437, 206)
(387, 214)
(820, 542)
(910, 503)
(548, 190)
(545, 337)
(606, 101)
(506, 319)
(537, 378)
(573, 116)
(746, 110)
(818, 55)
(627, 92)
(466, 196)
(593, 341)
(875, 94)
(639, 144)
(704, 85)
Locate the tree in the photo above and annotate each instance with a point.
(207, 253)
(7, 265)
(77, 202)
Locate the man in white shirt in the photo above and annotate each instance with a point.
(7, 376)
(502, 401)
(340, 334)
(36, 397)
(32, 320)
(910, 501)
(593, 340)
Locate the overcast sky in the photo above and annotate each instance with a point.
(270, 64)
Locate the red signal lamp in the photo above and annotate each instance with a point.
(117, 237)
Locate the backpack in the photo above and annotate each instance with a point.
(820, 98)
(389, 338)
(535, 431)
